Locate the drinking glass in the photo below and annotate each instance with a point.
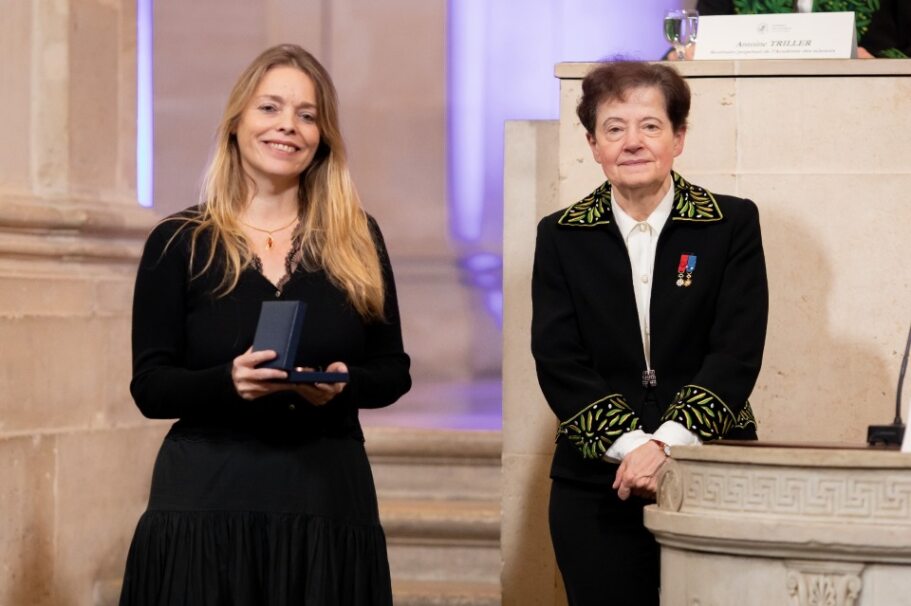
(680, 28)
(692, 27)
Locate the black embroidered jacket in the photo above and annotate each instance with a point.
(706, 338)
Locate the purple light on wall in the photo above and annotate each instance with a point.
(144, 93)
(466, 20)
(501, 58)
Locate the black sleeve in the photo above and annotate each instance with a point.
(715, 7)
(889, 34)
(383, 376)
(592, 415)
(162, 386)
(715, 401)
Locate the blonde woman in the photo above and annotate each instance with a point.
(262, 493)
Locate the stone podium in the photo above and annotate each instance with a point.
(761, 526)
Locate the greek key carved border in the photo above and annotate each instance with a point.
(855, 494)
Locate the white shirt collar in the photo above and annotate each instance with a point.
(656, 220)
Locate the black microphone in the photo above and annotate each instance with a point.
(894, 433)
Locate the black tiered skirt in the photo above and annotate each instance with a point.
(237, 521)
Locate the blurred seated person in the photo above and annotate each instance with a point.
(883, 26)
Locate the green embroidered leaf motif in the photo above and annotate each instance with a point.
(693, 203)
(696, 203)
(703, 412)
(590, 210)
(595, 428)
(745, 418)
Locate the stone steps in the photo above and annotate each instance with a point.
(441, 593)
(439, 496)
(468, 522)
(435, 464)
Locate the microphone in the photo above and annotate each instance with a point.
(894, 433)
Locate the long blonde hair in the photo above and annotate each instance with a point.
(334, 229)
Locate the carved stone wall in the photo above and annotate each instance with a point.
(823, 584)
(75, 456)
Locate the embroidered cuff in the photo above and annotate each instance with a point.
(593, 429)
(705, 414)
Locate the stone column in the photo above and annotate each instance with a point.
(530, 576)
(75, 455)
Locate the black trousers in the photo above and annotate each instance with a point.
(606, 555)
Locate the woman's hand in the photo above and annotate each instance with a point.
(319, 394)
(638, 472)
(251, 382)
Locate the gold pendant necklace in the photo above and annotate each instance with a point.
(269, 232)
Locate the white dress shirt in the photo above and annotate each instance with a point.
(641, 239)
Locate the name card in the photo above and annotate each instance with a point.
(777, 36)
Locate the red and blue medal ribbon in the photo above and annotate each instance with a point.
(685, 269)
(681, 268)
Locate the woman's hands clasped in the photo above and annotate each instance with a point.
(251, 382)
(638, 472)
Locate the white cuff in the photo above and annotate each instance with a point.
(673, 433)
(625, 444)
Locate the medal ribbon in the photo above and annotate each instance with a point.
(690, 263)
(683, 263)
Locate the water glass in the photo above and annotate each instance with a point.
(680, 29)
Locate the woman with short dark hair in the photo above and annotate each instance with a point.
(650, 305)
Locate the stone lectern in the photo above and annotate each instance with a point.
(762, 525)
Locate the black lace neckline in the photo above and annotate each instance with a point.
(293, 261)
